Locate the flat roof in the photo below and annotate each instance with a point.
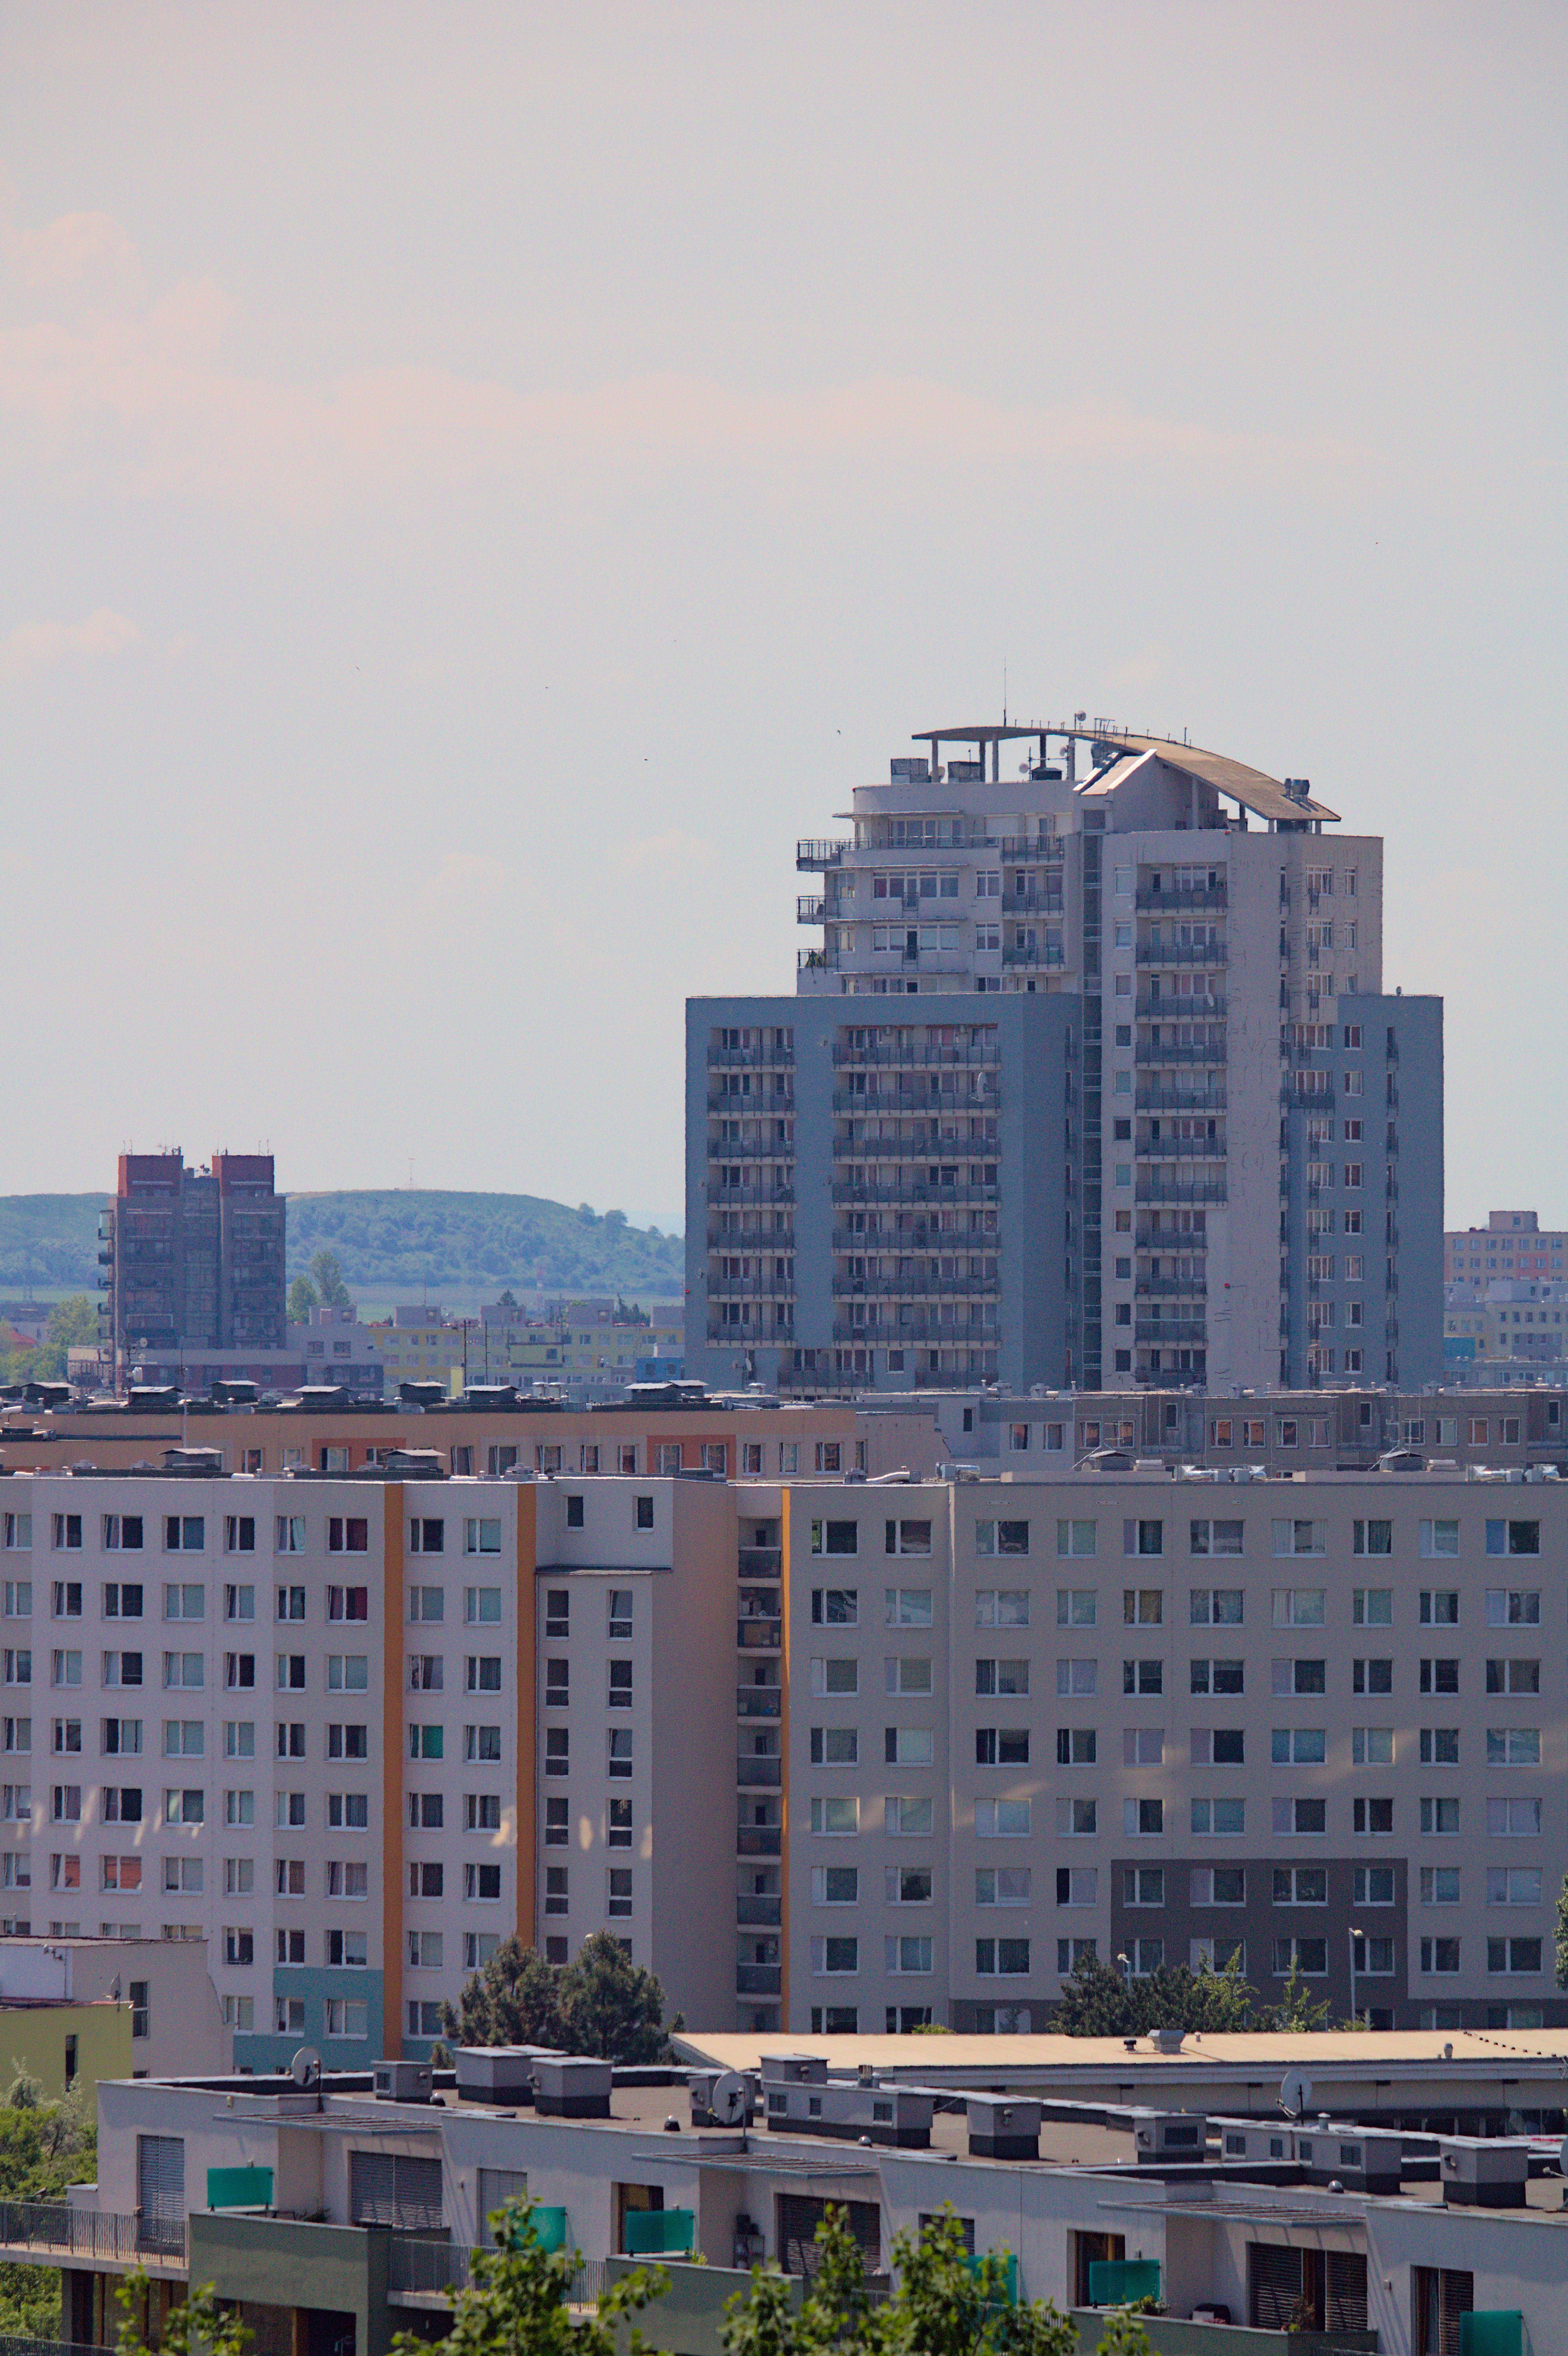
(980, 2061)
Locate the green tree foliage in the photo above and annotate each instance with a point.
(73, 1325)
(1101, 2001)
(947, 2304)
(1562, 1939)
(303, 1298)
(199, 2325)
(326, 1275)
(44, 2147)
(515, 2302)
(602, 2003)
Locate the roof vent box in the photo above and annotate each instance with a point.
(403, 2082)
(1483, 2172)
(498, 2073)
(1169, 2135)
(793, 2069)
(571, 2086)
(1002, 2127)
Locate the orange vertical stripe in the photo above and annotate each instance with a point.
(525, 1851)
(783, 1771)
(392, 1769)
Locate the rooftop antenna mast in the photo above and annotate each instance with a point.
(1004, 691)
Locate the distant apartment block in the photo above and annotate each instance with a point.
(194, 1259)
(1088, 1082)
(1511, 1248)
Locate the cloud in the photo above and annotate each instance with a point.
(33, 644)
(102, 385)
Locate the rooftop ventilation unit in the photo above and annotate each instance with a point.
(403, 2081)
(1483, 2172)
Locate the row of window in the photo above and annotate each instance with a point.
(186, 1600)
(186, 1737)
(558, 1613)
(618, 1890)
(1307, 1885)
(1371, 1815)
(619, 1753)
(1206, 1536)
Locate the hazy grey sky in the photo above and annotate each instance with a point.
(479, 481)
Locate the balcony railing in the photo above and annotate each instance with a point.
(918, 1058)
(1180, 1149)
(763, 1912)
(1171, 1330)
(1204, 1009)
(1028, 847)
(1185, 953)
(758, 1701)
(759, 1840)
(1199, 896)
(50, 2230)
(1049, 958)
(1193, 1100)
(1032, 903)
(760, 1562)
(810, 908)
(759, 1774)
(759, 1635)
(913, 1287)
(814, 853)
(1179, 1054)
(724, 1198)
(917, 1191)
(759, 1979)
(1181, 1190)
(416, 2265)
(909, 1107)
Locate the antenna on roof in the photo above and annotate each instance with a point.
(1004, 691)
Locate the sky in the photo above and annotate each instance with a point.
(479, 481)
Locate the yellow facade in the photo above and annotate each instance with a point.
(39, 2038)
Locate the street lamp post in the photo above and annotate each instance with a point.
(1356, 1938)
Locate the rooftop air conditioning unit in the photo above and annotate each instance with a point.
(403, 2082)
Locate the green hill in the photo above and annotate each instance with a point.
(393, 1243)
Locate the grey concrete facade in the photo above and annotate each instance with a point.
(1211, 970)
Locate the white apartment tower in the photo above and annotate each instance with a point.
(1119, 1097)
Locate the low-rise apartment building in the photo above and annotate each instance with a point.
(831, 1754)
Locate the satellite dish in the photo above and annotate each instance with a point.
(306, 2067)
(730, 2102)
(1295, 2093)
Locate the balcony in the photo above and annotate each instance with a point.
(49, 2232)
(917, 1191)
(763, 1912)
(918, 1329)
(759, 1774)
(1155, 1009)
(908, 1106)
(915, 1286)
(1041, 957)
(759, 1840)
(1029, 903)
(724, 1198)
(1030, 848)
(1152, 1054)
(822, 854)
(920, 1058)
(759, 1979)
(810, 908)
(1202, 1097)
(1182, 1190)
(1158, 1331)
(1194, 896)
(757, 1634)
(760, 1562)
(758, 1701)
(1180, 1149)
(1185, 953)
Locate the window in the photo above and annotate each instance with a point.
(482, 1884)
(1075, 1538)
(186, 1806)
(619, 1760)
(426, 1880)
(1001, 1607)
(1143, 1607)
(914, 1538)
(1001, 1958)
(427, 1535)
(1076, 1746)
(909, 1672)
(1215, 1607)
(1513, 1538)
(347, 1880)
(354, 1742)
(67, 1530)
(1141, 1819)
(1372, 1818)
(65, 1599)
(1513, 1607)
(909, 1817)
(1144, 1538)
(1076, 1680)
(1309, 1817)
(1439, 1955)
(835, 1676)
(835, 1607)
(620, 1615)
(834, 1746)
(618, 1890)
(482, 1535)
(909, 1607)
(15, 1535)
(1372, 1607)
(1075, 1819)
(994, 1746)
(836, 1537)
(557, 1750)
(1513, 1746)
(482, 1743)
(427, 1673)
(1439, 1677)
(1143, 1677)
(1297, 1537)
(180, 1669)
(1217, 1676)
(1308, 1956)
(238, 1601)
(1513, 1885)
(999, 1537)
(1514, 1956)
(350, 1811)
(290, 1537)
(1002, 1885)
(1075, 1607)
(1299, 1607)
(1218, 1746)
(482, 1607)
(1438, 1538)
(643, 1513)
(184, 1737)
(557, 1823)
(903, 1954)
(482, 1812)
(291, 1603)
(1371, 1746)
(1515, 1674)
(1219, 1818)
(482, 1673)
(182, 1534)
(831, 1955)
(1010, 1819)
